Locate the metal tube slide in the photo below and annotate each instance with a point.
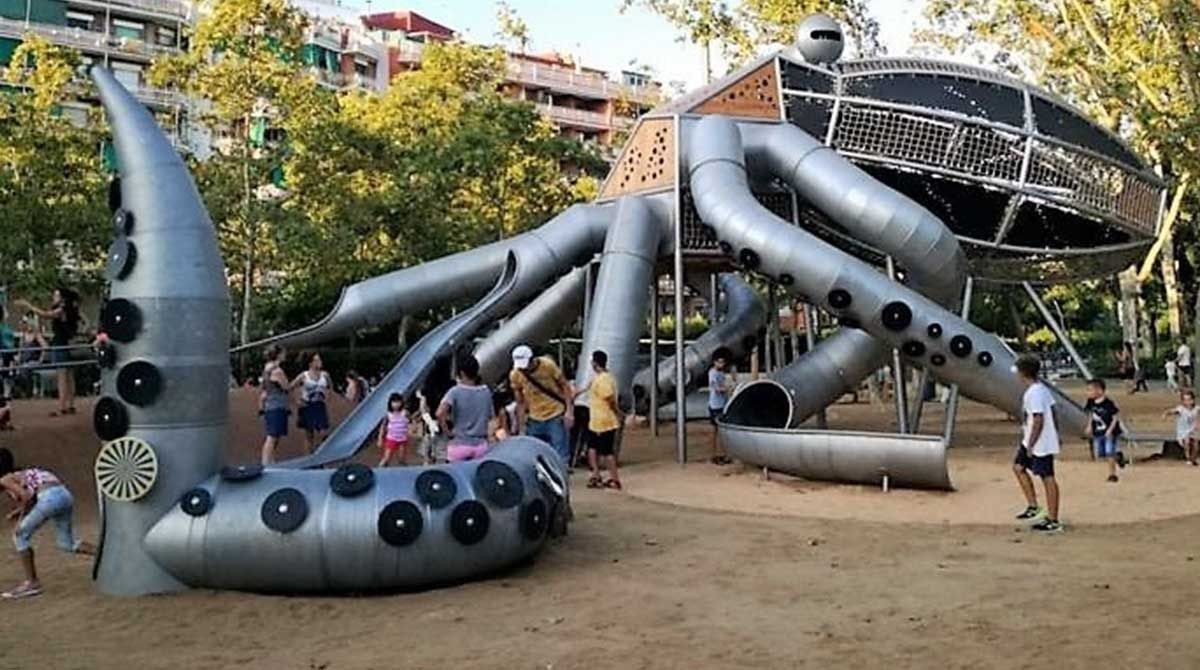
(545, 316)
(913, 461)
(164, 391)
(927, 333)
(744, 314)
(356, 529)
(618, 310)
(565, 241)
(352, 434)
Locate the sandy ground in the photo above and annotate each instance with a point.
(727, 570)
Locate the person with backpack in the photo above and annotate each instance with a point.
(544, 400)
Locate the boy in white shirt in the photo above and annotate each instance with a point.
(1039, 445)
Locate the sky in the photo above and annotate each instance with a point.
(600, 36)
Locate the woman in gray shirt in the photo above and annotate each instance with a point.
(464, 412)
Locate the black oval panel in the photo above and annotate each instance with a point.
(351, 480)
(106, 355)
(934, 330)
(114, 194)
(122, 255)
(839, 298)
(122, 222)
(985, 358)
(400, 523)
(535, 519)
(786, 279)
(937, 359)
(121, 320)
(139, 383)
(960, 345)
(196, 502)
(110, 419)
(436, 488)
(913, 349)
(749, 258)
(726, 248)
(241, 473)
(469, 522)
(896, 316)
(284, 510)
(500, 484)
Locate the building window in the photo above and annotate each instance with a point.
(129, 74)
(165, 37)
(130, 30)
(81, 20)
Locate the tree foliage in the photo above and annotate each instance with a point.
(51, 179)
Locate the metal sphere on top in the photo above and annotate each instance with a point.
(819, 39)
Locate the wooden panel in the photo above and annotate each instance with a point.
(648, 161)
(755, 95)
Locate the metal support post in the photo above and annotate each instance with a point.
(1058, 330)
(654, 355)
(901, 390)
(952, 402)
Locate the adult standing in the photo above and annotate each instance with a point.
(64, 326)
(544, 397)
(1183, 358)
(8, 354)
(313, 415)
(465, 412)
(274, 401)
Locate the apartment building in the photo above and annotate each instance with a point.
(342, 51)
(583, 102)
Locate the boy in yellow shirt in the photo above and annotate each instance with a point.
(603, 424)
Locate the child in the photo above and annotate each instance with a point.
(393, 432)
(465, 413)
(720, 384)
(1172, 373)
(1185, 423)
(604, 422)
(1105, 425)
(39, 497)
(1039, 444)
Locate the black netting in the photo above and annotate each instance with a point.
(698, 237)
(810, 114)
(802, 78)
(1057, 121)
(981, 99)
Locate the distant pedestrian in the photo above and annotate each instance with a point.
(393, 434)
(356, 387)
(720, 383)
(274, 401)
(1039, 445)
(313, 415)
(1183, 358)
(1186, 414)
(465, 413)
(64, 326)
(1105, 426)
(1172, 369)
(604, 424)
(544, 398)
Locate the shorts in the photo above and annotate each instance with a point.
(715, 414)
(1042, 466)
(59, 355)
(391, 446)
(1185, 370)
(52, 503)
(1104, 446)
(275, 421)
(313, 416)
(466, 450)
(603, 443)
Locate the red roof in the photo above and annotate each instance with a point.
(409, 22)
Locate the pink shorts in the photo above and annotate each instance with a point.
(466, 451)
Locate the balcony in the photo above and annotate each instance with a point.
(581, 84)
(87, 41)
(581, 118)
(172, 10)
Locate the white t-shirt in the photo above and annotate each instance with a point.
(1185, 422)
(1183, 357)
(1039, 400)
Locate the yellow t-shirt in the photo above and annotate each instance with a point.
(541, 406)
(603, 393)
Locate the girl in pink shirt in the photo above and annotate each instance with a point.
(393, 433)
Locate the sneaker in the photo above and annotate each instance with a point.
(1047, 526)
(1113, 479)
(1121, 460)
(1031, 512)
(22, 590)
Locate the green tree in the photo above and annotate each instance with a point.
(51, 175)
(512, 28)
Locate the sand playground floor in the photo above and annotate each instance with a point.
(698, 566)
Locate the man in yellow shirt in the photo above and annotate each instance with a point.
(543, 397)
(603, 424)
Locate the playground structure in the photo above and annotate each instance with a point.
(877, 191)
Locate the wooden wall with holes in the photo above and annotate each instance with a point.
(756, 95)
(647, 163)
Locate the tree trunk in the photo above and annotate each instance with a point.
(1128, 313)
(251, 236)
(1017, 322)
(1171, 287)
(707, 62)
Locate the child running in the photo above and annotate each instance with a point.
(393, 434)
(720, 383)
(39, 496)
(1185, 415)
(1106, 425)
(1039, 444)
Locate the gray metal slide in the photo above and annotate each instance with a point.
(353, 433)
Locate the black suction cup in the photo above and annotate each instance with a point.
(122, 222)
(284, 510)
(749, 258)
(121, 320)
(786, 279)
(469, 522)
(535, 520)
(984, 358)
(114, 194)
(110, 419)
(122, 255)
(241, 473)
(400, 523)
(436, 488)
(139, 383)
(896, 316)
(196, 502)
(839, 298)
(913, 349)
(960, 345)
(500, 484)
(106, 355)
(351, 480)
(934, 330)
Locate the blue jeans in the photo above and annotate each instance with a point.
(1105, 446)
(554, 433)
(52, 503)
